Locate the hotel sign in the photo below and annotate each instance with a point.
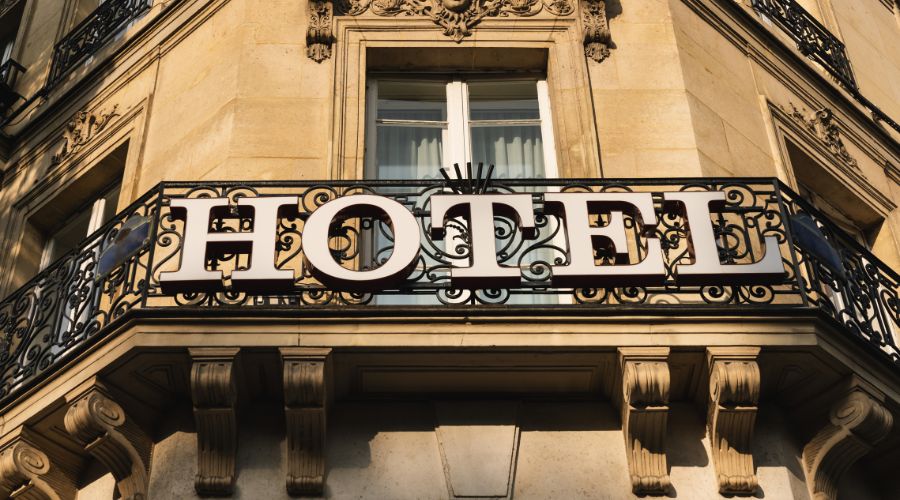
(592, 224)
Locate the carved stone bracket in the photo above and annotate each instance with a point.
(101, 426)
(83, 127)
(645, 411)
(26, 471)
(734, 383)
(319, 37)
(214, 393)
(857, 423)
(305, 397)
(596, 29)
(456, 18)
(821, 124)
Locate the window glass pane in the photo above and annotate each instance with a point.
(515, 151)
(69, 235)
(408, 152)
(503, 100)
(412, 100)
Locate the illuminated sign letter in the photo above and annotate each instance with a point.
(581, 271)
(707, 268)
(318, 255)
(198, 240)
(484, 271)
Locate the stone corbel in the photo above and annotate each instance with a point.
(645, 411)
(319, 36)
(26, 471)
(100, 425)
(597, 37)
(214, 394)
(305, 396)
(857, 423)
(734, 383)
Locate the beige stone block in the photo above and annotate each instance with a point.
(710, 133)
(644, 119)
(578, 445)
(271, 70)
(747, 159)
(648, 66)
(293, 128)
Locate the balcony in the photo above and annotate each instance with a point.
(813, 39)
(92, 34)
(115, 273)
(8, 95)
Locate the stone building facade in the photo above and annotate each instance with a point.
(114, 112)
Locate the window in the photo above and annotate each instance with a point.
(79, 226)
(418, 126)
(60, 223)
(9, 29)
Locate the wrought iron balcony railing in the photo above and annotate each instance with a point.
(91, 34)
(812, 38)
(9, 70)
(115, 273)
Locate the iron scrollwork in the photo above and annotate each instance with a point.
(77, 300)
(812, 38)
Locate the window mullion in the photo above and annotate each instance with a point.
(549, 141)
(457, 119)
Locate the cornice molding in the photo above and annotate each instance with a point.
(456, 18)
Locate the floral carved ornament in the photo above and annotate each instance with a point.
(456, 18)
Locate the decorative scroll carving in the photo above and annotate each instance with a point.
(82, 129)
(457, 18)
(26, 472)
(214, 393)
(100, 425)
(821, 124)
(304, 408)
(319, 37)
(645, 411)
(857, 423)
(733, 402)
(596, 29)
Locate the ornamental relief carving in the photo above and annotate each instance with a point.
(456, 18)
(596, 29)
(81, 129)
(821, 124)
